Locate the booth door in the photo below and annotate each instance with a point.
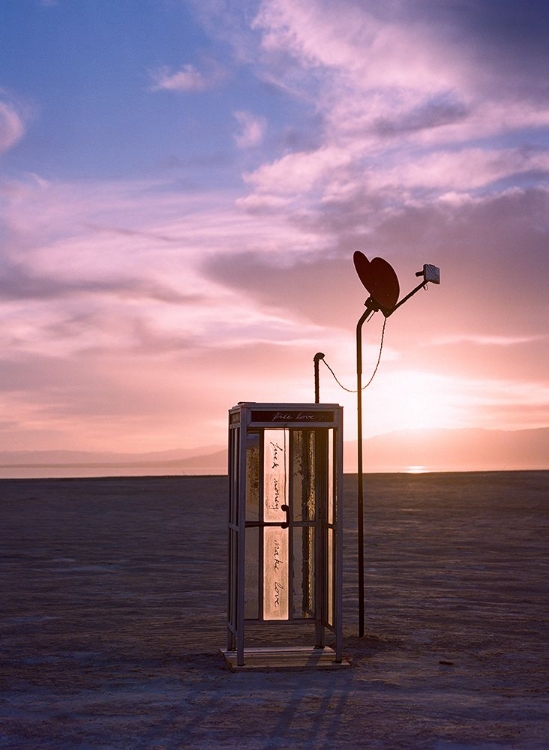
(290, 522)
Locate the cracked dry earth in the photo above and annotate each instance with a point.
(113, 611)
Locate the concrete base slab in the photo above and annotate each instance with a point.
(292, 657)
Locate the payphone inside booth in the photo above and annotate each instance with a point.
(285, 526)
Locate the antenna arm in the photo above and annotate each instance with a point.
(404, 299)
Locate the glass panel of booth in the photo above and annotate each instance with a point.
(303, 475)
(275, 475)
(332, 544)
(251, 574)
(234, 458)
(252, 476)
(303, 585)
(275, 573)
(234, 443)
(276, 550)
(233, 574)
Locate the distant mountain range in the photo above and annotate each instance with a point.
(184, 457)
(430, 450)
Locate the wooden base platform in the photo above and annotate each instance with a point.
(292, 657)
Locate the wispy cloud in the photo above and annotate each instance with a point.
(188, 78)
(486, 340)
(12, 127)
(252, 129)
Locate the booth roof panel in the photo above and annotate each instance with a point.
(284, 405)
(284, 414)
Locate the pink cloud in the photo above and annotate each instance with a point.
(384, 88)
(299, 172)
(98, 266)
(357, 47)
(465, 169)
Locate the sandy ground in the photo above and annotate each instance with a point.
(113, 610)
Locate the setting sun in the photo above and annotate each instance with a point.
(412, 400)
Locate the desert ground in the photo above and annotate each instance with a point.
(113, 613)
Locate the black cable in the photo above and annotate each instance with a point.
(336, 380)
(375, 368)
(379, 356)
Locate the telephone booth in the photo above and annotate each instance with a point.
(285, 527)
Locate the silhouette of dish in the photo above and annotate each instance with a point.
(379, 278)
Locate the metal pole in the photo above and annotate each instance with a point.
(429, 273)
(318, 356)
(370, 307)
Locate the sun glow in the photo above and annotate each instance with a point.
(412, 400)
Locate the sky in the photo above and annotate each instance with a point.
(183, 184)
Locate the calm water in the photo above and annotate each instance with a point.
(414, 474)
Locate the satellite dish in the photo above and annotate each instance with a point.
(379, 278)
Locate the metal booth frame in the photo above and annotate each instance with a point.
(286, 490)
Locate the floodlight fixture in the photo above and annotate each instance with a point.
(430, 273)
